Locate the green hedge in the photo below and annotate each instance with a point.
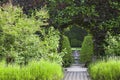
(42, 70)
(67, 58)
(105, 70)
(86, 50)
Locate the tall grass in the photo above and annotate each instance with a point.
(42, 70)
(105, 70)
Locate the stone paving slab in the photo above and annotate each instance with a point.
(76, 68)
(70, 75)
(76, 73)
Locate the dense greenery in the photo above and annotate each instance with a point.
(75, 35)
(67, 58)
(30, 36)
(35, 70)
(22, 38)
(105, 70)
(86, 52)
(96, 16)
(112, 47)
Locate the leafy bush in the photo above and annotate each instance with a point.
(36, 70)
(49, 46)
(87, 50)
(105, 70)
(18, 38)
(113, 45)
(18, 31)
(67, 58)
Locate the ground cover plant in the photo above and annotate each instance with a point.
(105, 70)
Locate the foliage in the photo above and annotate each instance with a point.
(50, 44)
(87, 50)
(76, 36)
(18, 30)
(63, 13)
(96, 16)
(18, 37)
(67, 58)
(105, 70)
(113, 45)
(35, 70)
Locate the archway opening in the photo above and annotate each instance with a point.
(76, 36)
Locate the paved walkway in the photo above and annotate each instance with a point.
(75, 72)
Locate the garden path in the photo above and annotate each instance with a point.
(76, 72)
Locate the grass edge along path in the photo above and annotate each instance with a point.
(35, 70)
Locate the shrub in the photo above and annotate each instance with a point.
(67, 58)
(105, 70)
(18, 31)
(87, 50)
(19, 40)
(36, 70)
(49, 46)
(113, 45)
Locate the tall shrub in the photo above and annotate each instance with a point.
(18, 39)
(67, 58)
(20, 42)
(87, 50)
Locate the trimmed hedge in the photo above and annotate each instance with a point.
(105, 70)
(42, 70)
(67, 58)
(87, 50)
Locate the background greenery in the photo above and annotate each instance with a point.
(76, 35)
